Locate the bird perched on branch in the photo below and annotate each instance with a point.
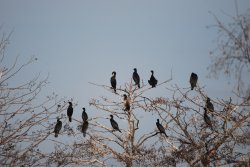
(207, 119)
(70, 111)
(126, 103)
(114, 124)
(152, 81)
(84, 115)
(58, 127)
(193, 80)
(85, 127)
(113, 81)
(209, 105)
(136, 77)
(160, 128)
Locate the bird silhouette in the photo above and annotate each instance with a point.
(126, 103)
(58, 127)
(209, 105)
(207, 119)
(160, 128)
(70, 111)
(84, 115)
(114, 124)
(152, 81)
(85, 127)
(113, 81)
(136, 78)
(193, 80)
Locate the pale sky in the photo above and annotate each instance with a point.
(83, 41)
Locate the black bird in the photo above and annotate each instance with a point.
(193, 80)
(161, 128)
(126, 103)
(70, 111)
(58, 127)
(152, 81)
(136, 78)
(85, 127)
(84, 115)
(209, 105)
(114, 124)
(206, 118)
(113, 80)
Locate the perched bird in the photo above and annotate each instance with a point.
(58, 127)
(85, 127)
(114, 124)
(136, 78)
(193, 80)
(206, 118)
(70, 111)
(161, 128)
(84, 115)
(113, 80)
(126, 103)
(152, 81)
(209, 105)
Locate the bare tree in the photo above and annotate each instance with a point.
(26, 121)
(232, 54)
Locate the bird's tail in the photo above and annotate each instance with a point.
(139, 85)
(70, 119)
(84, 134)
(192, 88)
(56, 134)
(119, 130)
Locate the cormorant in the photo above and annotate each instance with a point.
(161, 128)
(193, 80)
(85, 127)
(58, 127)
(114, 124)
(113, 80)
(70, 111)
(136, 78)
(206, 118)
(209, 105)
(152, 81)
(126, 103)
(84, 115)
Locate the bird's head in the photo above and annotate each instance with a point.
(158, 120)
(125, 96)
(111, 116)
(83, 108)
(135, 70)
(70, 103)
(152, 71)
(113, 73)
(205, 109)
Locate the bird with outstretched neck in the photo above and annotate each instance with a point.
(161, 128)
(114, 124)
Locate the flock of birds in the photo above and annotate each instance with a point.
(153, 82)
